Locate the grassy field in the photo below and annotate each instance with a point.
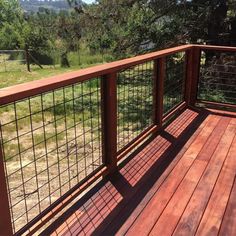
(14, 72)
(20, 76)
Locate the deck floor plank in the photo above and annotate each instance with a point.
(228, 226)
(181, 183)
(174, 210)
(173, 131)
(213, 215)
(195, 208)
(144, 223)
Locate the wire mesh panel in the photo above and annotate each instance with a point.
(174, 83)
(217, 81)
(50, 143)
(12, 60)
(135, 102)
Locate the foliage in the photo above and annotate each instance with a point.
(117, 27)
(11, 23)
(134, 26)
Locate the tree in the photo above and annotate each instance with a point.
(135, 26)
(11, 25)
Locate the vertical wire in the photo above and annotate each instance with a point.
(91, 120)
(75, 129)
(46, 148)
(66, 131)
(84, 132)
(56, 137)
(99, 117)
(21, 165)
(34, 154)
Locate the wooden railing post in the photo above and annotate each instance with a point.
(5, 222)
(159, 76)
(109, 121)
(192, 74)
(27, 58)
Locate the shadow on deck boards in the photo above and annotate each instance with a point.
(114, 202)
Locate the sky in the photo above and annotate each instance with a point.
(89, 1)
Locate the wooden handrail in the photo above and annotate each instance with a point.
(21, 91)
(215, 48)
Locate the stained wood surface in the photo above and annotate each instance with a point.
(182, 182)
(21, 91)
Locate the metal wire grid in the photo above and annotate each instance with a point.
(12, 60)
(134, 101)
(50, 143)
(217, 81)
(174, 82)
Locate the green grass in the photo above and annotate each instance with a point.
(11, 78)
(14, 72)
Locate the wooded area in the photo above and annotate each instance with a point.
(119, 28)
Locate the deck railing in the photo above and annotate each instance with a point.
(59, 135)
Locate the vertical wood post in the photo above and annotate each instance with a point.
(27, 58)
(109, 121)
(193, 69)
(189, 74)
(4, 62)
(5, 222)
(159, 76)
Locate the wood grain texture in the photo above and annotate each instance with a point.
(213, 215)
(147, 219)
(192, 215)
(22, 91)
(172, 213)
(228, 226)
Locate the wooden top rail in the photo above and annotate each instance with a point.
(216, 48)
(21, 91)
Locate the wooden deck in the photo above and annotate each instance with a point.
(181, 183)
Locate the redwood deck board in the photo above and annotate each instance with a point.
(181, 182)
(195, 208)
(214, 213)
(172, 213)
(145, 222)
(228, 226)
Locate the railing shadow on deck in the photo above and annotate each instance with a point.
(117, 197)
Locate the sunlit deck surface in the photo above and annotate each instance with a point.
(181, 183)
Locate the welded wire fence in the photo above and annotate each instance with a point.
(217, 81)
(13, 60)
(50, 143)
(174, 82)
(135, 102)
(55, 140)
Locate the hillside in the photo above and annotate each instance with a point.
(34, 5)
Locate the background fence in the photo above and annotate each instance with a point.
(217, 80)
(13, 60)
